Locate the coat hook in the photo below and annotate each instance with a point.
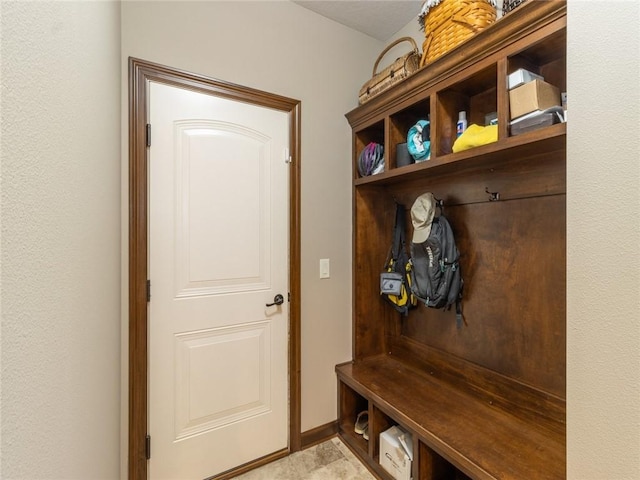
(493, 196)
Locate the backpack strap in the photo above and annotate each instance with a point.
(398, 232)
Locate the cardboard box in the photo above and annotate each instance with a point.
(520, 77)
(393, 456)
(532, 96)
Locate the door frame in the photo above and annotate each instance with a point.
(140, 73)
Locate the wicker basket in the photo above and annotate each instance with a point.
(448, 23)
(400, 69)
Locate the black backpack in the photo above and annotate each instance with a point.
(436, 276)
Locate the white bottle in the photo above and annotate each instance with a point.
(461, 126)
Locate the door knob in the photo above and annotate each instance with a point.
(277, 300)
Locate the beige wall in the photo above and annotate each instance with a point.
(282, 48)
(60, 240)
(61, 213)
(603, 241)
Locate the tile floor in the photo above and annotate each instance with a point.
(331, 460)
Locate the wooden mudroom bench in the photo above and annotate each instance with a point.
(457, 427)
(484, 400)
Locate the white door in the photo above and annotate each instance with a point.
(218, 253)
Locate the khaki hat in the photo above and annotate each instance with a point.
(422, 213)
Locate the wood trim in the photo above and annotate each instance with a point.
(247, 467)
(295, 342)
(140, 73)
(137, 276)
(308, 439)
(319, 434)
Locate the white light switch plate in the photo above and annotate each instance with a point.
(325, 269)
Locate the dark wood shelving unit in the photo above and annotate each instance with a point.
(486, 400)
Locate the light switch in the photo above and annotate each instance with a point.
(325, 271)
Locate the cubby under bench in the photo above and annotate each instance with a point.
(461, 427)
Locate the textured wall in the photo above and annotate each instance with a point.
(60, 240)
(603, 241)
(282, 48)
(60, 218)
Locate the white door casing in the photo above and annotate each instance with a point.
(218, 253)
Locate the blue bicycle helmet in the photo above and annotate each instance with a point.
(418, 142)
(371, 160)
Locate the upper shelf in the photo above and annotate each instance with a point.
(538, 142)
(471, 78)
(506, 37)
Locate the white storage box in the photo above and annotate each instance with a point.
(396, 453)
(520, 77)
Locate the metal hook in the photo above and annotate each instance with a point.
(493, 196)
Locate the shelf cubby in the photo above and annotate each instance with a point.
(401, 122)
(379, 423)
(433, 466)
(372, 133)
(548, 58)
(351, 404)
(475, 95)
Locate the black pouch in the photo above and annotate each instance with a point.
(391, 283)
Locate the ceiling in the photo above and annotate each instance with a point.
(379, 19)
